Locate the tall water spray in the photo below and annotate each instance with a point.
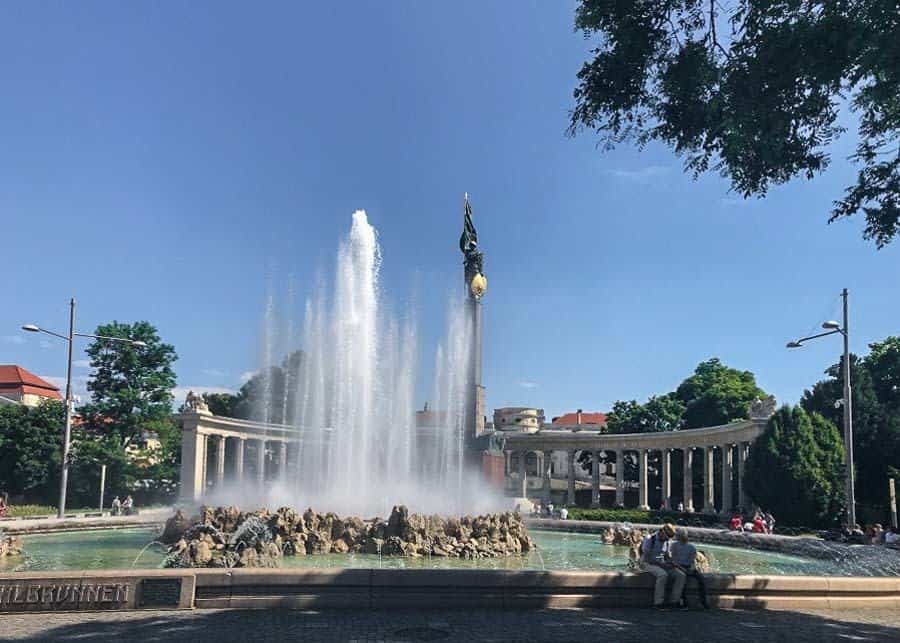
(352, 398)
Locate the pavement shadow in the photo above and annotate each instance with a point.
(619, 624)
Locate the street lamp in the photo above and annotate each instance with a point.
(832, 327)
(67, 433)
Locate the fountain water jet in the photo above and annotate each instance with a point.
(352, 397)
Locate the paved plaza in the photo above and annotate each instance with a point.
(458, 625)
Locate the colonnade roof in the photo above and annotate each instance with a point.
(710, 436)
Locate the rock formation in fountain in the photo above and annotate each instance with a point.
(228, 537)
(10, 545)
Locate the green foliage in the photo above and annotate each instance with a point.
(751, 89)
(875, 381)
(130, 407)
(716, 394)
(270, 384)
(30, 450)
(222, 404)
(795, 469)
(660, 413)
(130, 386)
(643, 517)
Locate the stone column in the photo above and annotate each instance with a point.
(709, 485)
(620, 477)
(523, 478)
(193, 465)
(547, 464)
(261, 462)
(726, 478)
(239, 460)
(220, 460)
(743, 501)
(666, 484)
(595, 478)
(688, 479)
(642, 480)
(570, 476)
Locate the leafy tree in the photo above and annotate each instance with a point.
(751, 89)
(131, 386)
(269, 396)
(660, 413)
(716, 394)
(221, 403)
(31, 450)
(875, 381)
(794, 469)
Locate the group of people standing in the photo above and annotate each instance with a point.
(122, 507)
(668, 555)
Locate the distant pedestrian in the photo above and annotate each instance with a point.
(128, 506)
(4, 506)
(116, 507)
(770, 522)
(737, 522)
(680, 506)
(563, 514)
(684, 556)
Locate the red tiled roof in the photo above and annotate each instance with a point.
(17, 379)
(586, 418)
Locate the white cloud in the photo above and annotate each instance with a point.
(180, 392)
(12, 339)
(214, 372)
(528, 385)
(82, 363)
(246, 376)
(46, 344)
(642, 174)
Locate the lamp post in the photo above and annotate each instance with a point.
(67, 431)
(831, 328)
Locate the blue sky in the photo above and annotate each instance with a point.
(159, 160)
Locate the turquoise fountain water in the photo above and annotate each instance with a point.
(117, 549)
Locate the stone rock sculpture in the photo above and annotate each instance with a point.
(227, 537)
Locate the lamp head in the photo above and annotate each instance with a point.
(831, 325)
(139, 344)
(794, 344)
(31, 328)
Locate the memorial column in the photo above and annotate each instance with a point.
(239, 460)
(261, 462)
(220, 460)
(547, 467)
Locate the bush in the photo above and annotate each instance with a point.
(648, 517)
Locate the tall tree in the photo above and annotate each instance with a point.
(716, 394)
(795, 469)
(31, 450)
(752, 89)
(875, 381)
(131, 386)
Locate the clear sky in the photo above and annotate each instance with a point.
(159, 160)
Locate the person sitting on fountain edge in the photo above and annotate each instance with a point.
(655, 560)
(684, 556)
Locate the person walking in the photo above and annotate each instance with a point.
(684, 557)
(128, 505)
(655, 560)
(116, 507)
